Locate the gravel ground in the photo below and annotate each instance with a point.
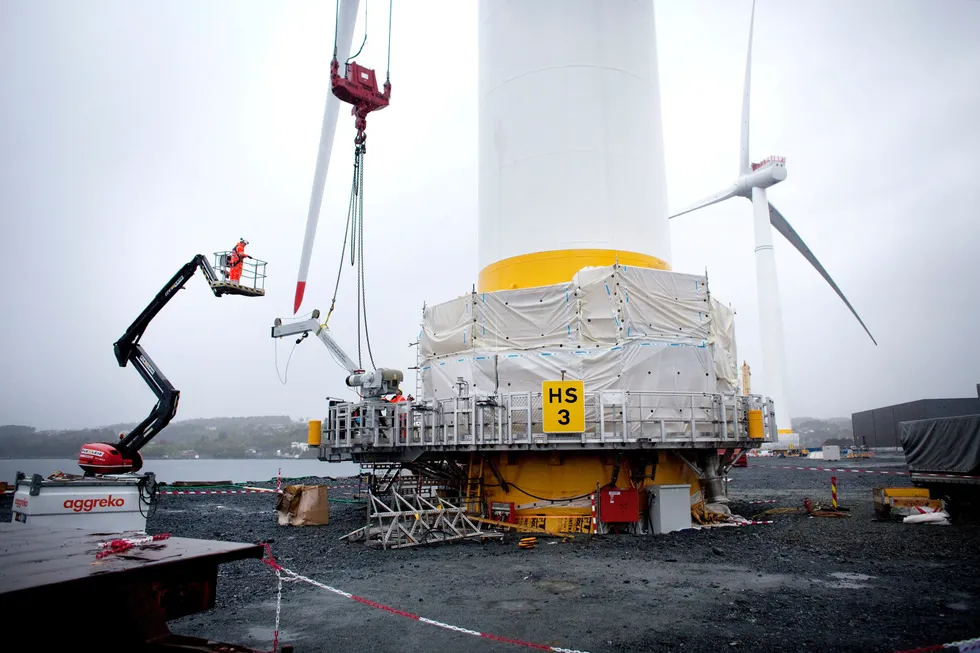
(801, 584)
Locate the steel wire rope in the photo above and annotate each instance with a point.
(343, 250)
(388, 67)
(350, 58)
(360, 256)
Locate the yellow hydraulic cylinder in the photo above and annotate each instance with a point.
(313, 438)
(756, 429)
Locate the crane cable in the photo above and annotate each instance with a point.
(361, 286)
(354, 229)
(336, 29)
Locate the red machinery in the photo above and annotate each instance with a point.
(619, 505)
(359, 87)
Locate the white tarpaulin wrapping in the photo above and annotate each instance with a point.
(616, 328)
(722, 345)
(527, 318)
(447, 328)
(637, 366)
(440, 376)
(664, 305)
(600, 311)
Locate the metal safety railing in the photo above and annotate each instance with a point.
(611, 418)
(253, 271)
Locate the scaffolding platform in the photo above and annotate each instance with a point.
(251, 283)
(366, 432)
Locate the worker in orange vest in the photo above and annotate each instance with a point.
(238, 257)
(398, 398)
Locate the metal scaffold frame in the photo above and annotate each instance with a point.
(414, 520)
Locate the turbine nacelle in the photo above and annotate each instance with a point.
(764, 174)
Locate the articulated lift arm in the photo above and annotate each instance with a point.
(374, 385)
(123, 456)
(128, 349)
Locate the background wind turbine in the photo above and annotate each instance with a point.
(346, 19)
(752, 182)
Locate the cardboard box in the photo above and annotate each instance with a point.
(303, 505)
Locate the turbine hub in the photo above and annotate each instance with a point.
(779, 161)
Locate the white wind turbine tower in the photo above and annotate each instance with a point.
(752, 182)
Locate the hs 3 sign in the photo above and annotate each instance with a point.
(563, 406)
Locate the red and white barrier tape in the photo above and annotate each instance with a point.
(762, 501)
(834, 469)
(214, 491)
(122, 545)
(595, 520)
(875, 471)
(251, 490)
(753, 523)
(279, 569)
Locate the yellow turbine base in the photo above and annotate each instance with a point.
(556, 266)
(574, 475)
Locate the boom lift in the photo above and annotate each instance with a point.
(123, 456)
(373, 385)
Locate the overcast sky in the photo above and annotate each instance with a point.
(135, 135)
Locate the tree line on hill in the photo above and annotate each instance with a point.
(221, 437)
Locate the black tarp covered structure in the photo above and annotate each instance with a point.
(878, 428)
(946, 445)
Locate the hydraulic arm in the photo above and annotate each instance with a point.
(373, 385)
(123, 456)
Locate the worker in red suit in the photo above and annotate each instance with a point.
(238, 257)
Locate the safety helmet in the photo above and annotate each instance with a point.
(242, 240)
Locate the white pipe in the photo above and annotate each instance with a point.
(770, 316)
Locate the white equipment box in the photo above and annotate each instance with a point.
(111, 504)
(670, 508)
(831, 452)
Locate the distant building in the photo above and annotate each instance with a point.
(302, 446)
(878, 428)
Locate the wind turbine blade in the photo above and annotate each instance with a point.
(346, 19)
(743, 161)
(782, 226)
(720, 196)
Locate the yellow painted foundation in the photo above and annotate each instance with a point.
(556, 266)
(534, 478)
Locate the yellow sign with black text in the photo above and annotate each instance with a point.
(563, 406)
